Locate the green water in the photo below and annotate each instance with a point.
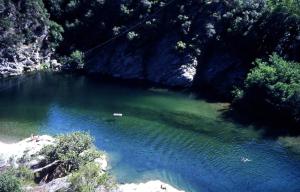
(162, 135)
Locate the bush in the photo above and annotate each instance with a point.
(88, 178)
(71, 150)
(25, 174)
(55, 35)
(274, 83)
(76, 60)
(132, 35)
(180, 46)
(9, 183)
(292, 6)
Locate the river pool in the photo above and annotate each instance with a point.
(165, 135)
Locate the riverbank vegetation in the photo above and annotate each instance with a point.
(72, 156)
(9, 183)
(291, 6)
(273, 86)
(75, 154)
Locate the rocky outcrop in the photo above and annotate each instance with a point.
(158, 63)
(184, 48)
(58, 184)
(12, 154)
(24, 38)
(209, 44)
(21, 153)
(182, 43)
(26, 58)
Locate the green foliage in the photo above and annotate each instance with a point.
(5, 23)
(95, 21)
(180, 46)
(280, 78)
(44, 66)
(37, 8)
(292, 6)
(132, 35)
(55, 35)
(9, 183)
(237, 93)
(88, 178)
(73, 150)
(90, 155)
(77, 154)
(22, 22)
(76, 60)
(13, 178)
(24, 174)
(275, 82)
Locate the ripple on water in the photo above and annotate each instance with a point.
(162, 135)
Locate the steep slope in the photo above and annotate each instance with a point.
(182, 43)
(25, 43)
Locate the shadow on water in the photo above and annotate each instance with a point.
(163, 135)
(79, 88)
(272, 127)
(196, 124)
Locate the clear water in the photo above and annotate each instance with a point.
(162, 135)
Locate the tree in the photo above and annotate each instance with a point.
(88, 178)
(274, 83)
(76, 60)
(55, 34)
(9, 183)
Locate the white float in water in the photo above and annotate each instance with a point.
(244, 159)
(118, 115)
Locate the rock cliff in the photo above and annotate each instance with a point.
(180, 43)
(24, 37)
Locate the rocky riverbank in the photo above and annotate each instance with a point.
(27, 153)
(27, 39)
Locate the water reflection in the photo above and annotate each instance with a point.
(162, 135)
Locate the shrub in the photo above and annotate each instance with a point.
(292, 6)
(5, 23)
(55, 35)
(69, 149)
(90, 155)
(76, 60)
(9, 183)
(276, 83)
(180, 46)
(132, 35)
(88, 178)
(25, 174)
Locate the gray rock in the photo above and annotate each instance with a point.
(60, 184)
(222, 72)
(21, 53)
(159, 63)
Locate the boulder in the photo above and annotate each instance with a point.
(11, 154)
